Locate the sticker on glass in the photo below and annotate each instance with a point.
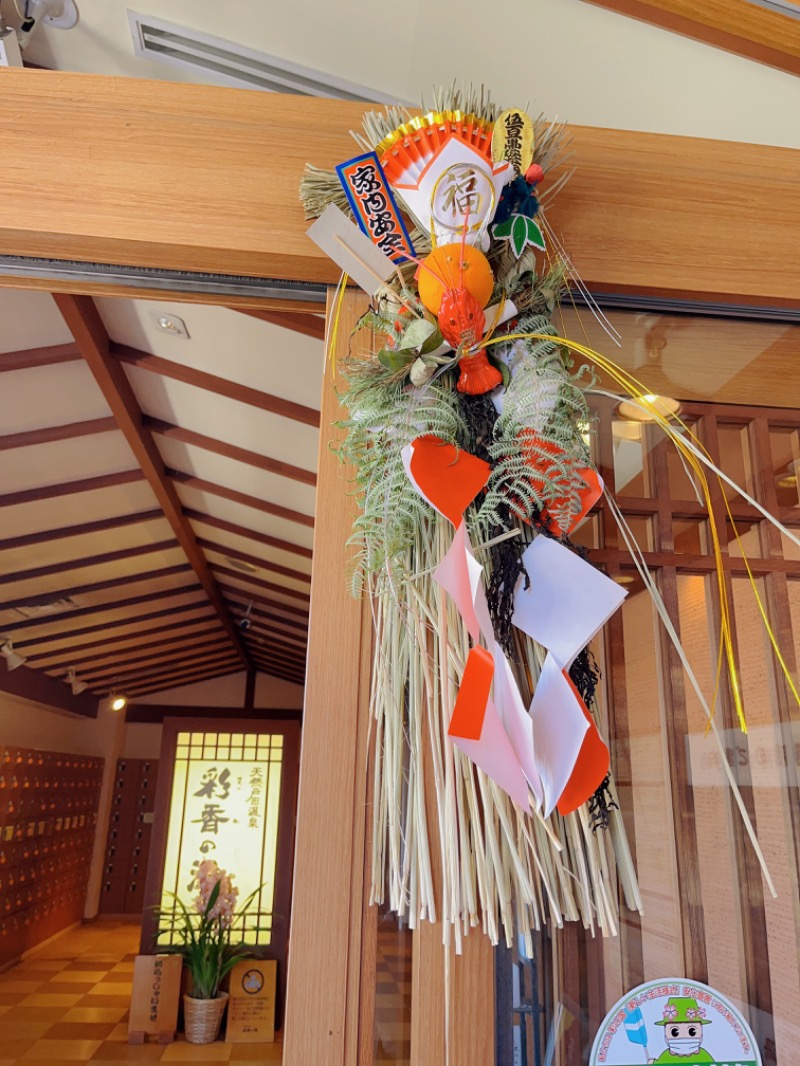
(677, 1021)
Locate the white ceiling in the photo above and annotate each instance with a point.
(564, 57)
(224, 343)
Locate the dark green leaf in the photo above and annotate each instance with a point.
(503, 229)
(519, 234)
(534, 234)
(395, 361)
(436, 340)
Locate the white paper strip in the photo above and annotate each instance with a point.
(559, 726)
(567, 602)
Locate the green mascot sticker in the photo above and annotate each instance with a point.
(674, 1021)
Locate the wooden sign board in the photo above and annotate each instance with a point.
(155, 996)
(251, 1008)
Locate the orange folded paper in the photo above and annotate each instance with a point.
(448, 477)
(473, 696)
(588, 495)
(590, 768)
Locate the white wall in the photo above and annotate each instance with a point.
(229, 692)
(25, 724)
(564, 57)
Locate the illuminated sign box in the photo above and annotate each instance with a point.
(226, 795)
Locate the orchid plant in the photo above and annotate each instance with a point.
(206, 930)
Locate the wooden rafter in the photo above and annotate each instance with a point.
(224, 656)
(258, 582)
(98, 586)
(174, 633)
(90, 335)
(290, 643)
(33, 357)
(265, 506)
(152, 651)
(296, 676)
(55, 433)
(123, 670)
(290, 623)
(250, 534)
(271, 647)
(84, 529)
(263, 635)
(230, 451)
(189, 375)
(70, 488)
(739, 26)
(181, 678)
(267, 656)
(90, 561)
(102, 627)
(309, 325)
(245, 596)
(253, 560)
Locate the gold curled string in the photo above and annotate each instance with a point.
(337, 314)
(636, 390)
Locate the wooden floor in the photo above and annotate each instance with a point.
(68, 1003)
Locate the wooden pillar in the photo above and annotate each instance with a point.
(324, 973)
(331, 974)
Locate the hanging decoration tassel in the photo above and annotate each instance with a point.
(494, 798)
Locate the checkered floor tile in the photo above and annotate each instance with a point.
(68, 1003)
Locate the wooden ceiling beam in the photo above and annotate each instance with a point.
(182, 677)
(232, 390)
(90, 335)
(279, 641)
(266, 506)
(264, 636)
(258, 582)
(274, 669)
(245, 595)
(250, 534)
(72, 656)
(33, 357)
(254, 560)
(226, 656)
(81, 612)
(90, 561)
(34, 685)
(738, 26)
(156, 649)
(291, 623)
(120, 672)
(230, 451)
(308, 325)
(98, 586)
(70, 488)
(102, 525)
(276, 655)
(49, 434)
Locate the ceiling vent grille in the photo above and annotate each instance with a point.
(227, 63)
(37, 610)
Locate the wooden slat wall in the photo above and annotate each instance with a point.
(663, 222)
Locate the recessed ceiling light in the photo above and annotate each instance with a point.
(118, 702)
(171, 324)
(624, 579)
(239, 564)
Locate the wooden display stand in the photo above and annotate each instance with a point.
(155, 997)
(251, 1008)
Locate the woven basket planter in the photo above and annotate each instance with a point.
(202, 1018)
